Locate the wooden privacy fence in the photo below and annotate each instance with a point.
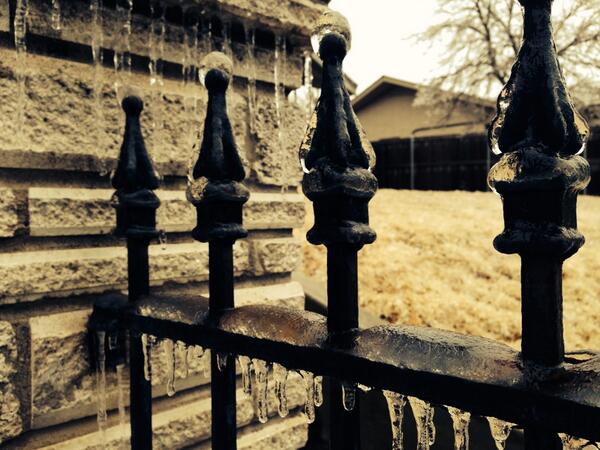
(445, 163)
(552, 396)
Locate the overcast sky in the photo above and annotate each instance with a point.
(381, 44)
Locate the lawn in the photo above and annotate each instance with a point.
(433, 264)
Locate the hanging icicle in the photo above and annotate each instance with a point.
(348, 395)
(122, 55)
(246, 368)
(169, 351)
(396, 403)
(121, 396)
(423, 413)
(309, 405)
(101, 415)
(222, 361)
(460, 424)
(56, 15)
(308, 85)
(261, 375)
(280, 375)
(20, 25)
(318, 390)
(156, 49)
(97, 41)
(182, 352)
(500, 431)
(251, 76)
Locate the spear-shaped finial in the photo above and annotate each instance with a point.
(214, 187)
(336, 156)
(135, 178)
(534, 108)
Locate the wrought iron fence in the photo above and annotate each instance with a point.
(539, 175)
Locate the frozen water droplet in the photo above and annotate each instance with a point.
(423, 413)
(121, 393)
(280, 375)
(318, 391)
(101, 415)
(460, 424)
(396, 404)
(261, 372)
(246, 368)
(56, 15)
(222, 361)
(169, 350)
(309, 405)
(348, 395)
(500, 431)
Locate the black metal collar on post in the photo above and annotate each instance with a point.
(539, 133)
(337, 159)
(136, 205)
(215, 190)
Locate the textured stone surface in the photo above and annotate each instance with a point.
(275, 255)
(9, 217)
(290, 434)
(10, 420)
(62, 382)
(26, 276)
(62, 211)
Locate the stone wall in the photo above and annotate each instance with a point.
(57, 252)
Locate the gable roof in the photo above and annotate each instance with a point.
(385, 83)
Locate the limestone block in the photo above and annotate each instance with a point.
(26, 276)
(279, 255)
(62, 382)
(9, 217)
(10, 421)
(68, 211)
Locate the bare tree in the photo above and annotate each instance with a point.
(482, 39)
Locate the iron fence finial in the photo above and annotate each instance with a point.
(135, 178)
(214, 186)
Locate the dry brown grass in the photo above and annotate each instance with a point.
(434, 264)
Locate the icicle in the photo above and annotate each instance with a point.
(261, 372)
(183, 352)
(169, 349)
(348, 395)
(318, 391)
(156, 49)
(280, 51)
(251, 76)
(364, 388)
(460, 423)
(122, 55)
(423, 413)
(280, 375)
(222, 361)
(147, 350)
(308, 84)
(246, 366)
(500, 431)
(198, 351)
(309, 405)
(207, 37)
(189, 80)
(121, 387)
(573, 443)
(396, 404)
(20, 25)
(56, 15)
(112, 341)
(226, 45)
(96, 45)
(101, 416)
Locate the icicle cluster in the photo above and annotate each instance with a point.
(423, 413)
(500, 431)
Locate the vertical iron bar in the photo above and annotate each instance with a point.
(342, 315)
(220, 285)
(140, 388)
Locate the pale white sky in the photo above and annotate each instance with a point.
(381, 44)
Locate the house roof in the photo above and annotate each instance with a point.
(385, 83)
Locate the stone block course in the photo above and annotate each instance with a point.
(10, 420)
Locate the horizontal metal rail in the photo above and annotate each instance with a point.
(445, 368)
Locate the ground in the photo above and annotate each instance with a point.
(433, 264)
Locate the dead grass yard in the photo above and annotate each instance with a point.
(433, 264)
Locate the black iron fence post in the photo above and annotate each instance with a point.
(539, 133)
(136, 204)
(337, 160)
(216, 192)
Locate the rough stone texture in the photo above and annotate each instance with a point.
(62, 382)
(62, 211)
(275, 255)
(10, 420)
(9, 217)
(27, 276)
(285, 435)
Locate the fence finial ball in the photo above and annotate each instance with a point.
(220, 68)
(331, 22)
